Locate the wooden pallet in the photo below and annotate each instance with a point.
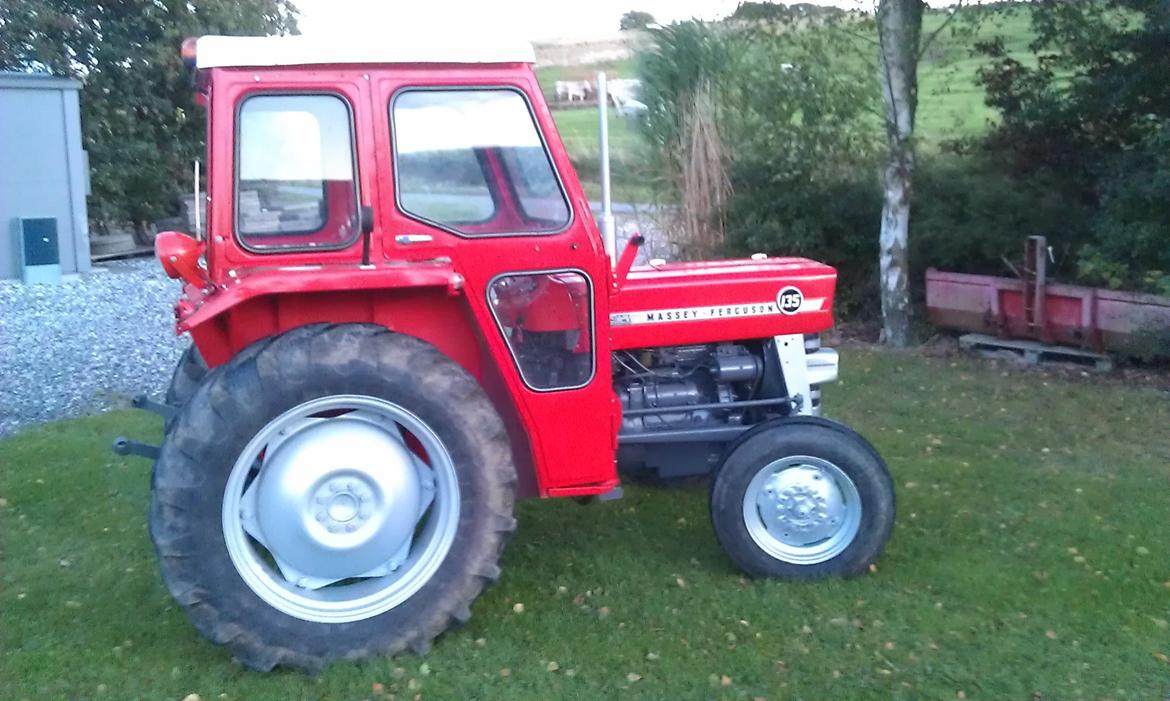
(1033, 352)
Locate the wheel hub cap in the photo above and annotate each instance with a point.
(341, 508)
(802, 509)
(337, 499)
(799, 505)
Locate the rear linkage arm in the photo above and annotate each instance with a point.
(125, 446)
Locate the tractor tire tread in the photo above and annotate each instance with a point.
(849, 450)
(303, 363)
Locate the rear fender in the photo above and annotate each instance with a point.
(431, 314)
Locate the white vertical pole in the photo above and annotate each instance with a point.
(608, 233)
(198, 206)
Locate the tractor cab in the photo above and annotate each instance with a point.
(404, 315)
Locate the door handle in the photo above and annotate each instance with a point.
(407, 239)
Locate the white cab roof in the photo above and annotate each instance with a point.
(404, 47)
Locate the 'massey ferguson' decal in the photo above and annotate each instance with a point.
(722, 311)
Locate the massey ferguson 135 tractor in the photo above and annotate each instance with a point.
(404, 316)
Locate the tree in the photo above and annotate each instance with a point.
(1093, 114)
(899, 28)
(139, 117)
(1098, 88)
(635, 19)
(760, 11)
(900, 48)
(778, 11)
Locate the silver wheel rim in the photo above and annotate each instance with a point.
(341, 508)
(802, 510)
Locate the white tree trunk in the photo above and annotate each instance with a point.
(899, 24)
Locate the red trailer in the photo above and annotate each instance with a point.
(1064, 319)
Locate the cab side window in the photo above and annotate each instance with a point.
(546, 319)
(295, 173)
(472, 161)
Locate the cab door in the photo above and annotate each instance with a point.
(471, 169)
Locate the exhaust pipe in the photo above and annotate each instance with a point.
(605, 220)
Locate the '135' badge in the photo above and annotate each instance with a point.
(789, 300)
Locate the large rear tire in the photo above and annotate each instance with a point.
(339, 491)
(804, 498)
(189, 372)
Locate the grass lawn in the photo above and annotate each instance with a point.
(951, 104)
(1028, 556)
(549, 75)
(628, 177)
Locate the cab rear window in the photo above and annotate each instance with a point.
(473, 162)
(295, 173)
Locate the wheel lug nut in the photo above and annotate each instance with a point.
(321, 516)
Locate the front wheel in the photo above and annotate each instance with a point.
(336, 492)
(804, 498)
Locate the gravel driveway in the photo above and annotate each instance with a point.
(93, 341)
(87, 344)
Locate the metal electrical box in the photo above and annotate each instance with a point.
(38, 250)
(43, 170)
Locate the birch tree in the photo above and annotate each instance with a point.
(900, 47)
(899, 29)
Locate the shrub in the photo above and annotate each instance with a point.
(834, 221)
(969, 216)
(1131, 243)
(780, 111)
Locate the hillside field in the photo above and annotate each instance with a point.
(951, 104)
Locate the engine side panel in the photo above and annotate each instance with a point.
(709, 302)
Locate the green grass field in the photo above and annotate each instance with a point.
(579, 131)
(1028, 562)
(951, 104)
(549, 75)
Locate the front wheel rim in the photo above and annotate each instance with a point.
(802, 510)
(341, 508)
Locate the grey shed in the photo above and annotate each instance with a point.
(44, 173)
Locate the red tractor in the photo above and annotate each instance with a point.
(404, 317)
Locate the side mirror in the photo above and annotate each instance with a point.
(366, 222)
(179, 255)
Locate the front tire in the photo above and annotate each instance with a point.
(803, 498)
(339, 491)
